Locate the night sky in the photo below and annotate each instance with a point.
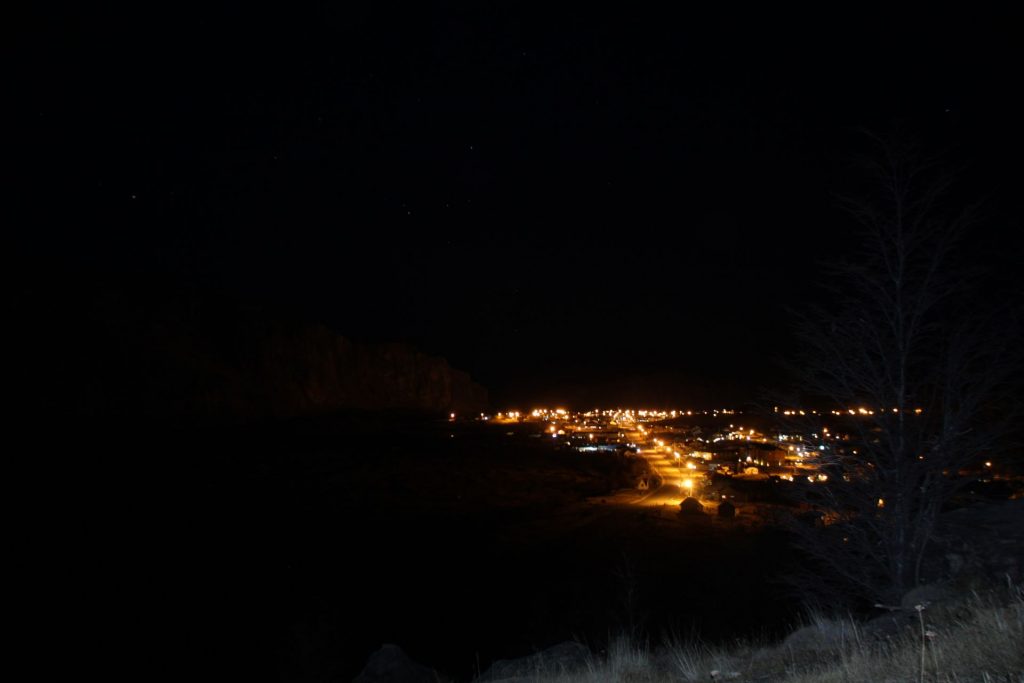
(571, 205)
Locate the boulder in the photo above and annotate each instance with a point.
(982, 542)
(390, 664)
(927, 594)
(821, 635)
(562, 658)
(890, 625)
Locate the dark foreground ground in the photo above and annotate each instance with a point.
(290, 551)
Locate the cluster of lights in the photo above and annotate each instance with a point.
(595, 431)
(861, 411)
(739, 434)
(620, 414)
(594, 427)
(547, 414)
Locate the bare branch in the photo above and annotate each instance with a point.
(905, 337)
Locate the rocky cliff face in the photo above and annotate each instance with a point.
(310, 369)
(112, 352)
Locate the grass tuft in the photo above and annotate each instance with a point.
(978, 639)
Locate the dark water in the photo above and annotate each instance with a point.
(291, 553)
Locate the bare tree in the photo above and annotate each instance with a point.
(905, 339)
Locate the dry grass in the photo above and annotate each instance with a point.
(978, 639)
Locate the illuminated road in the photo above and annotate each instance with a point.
(708, 461)
(672, 490)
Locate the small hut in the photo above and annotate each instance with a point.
(691, 506)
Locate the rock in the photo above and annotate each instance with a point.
(562, 658)
(983, 542)
(890, 625)
(390, 664)
(823, 634)
(926, 594)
